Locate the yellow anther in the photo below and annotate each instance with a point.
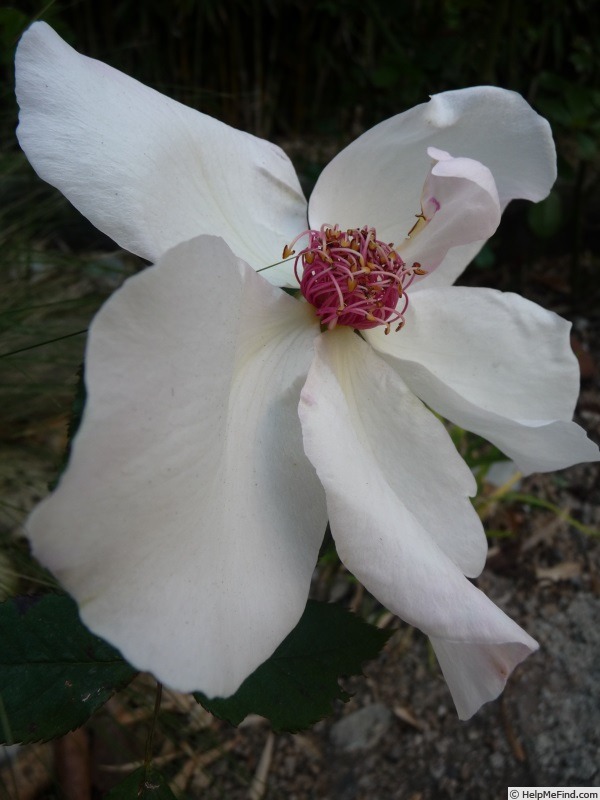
(287, 252)
(419, 224)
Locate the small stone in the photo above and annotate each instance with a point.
(362, 729)
(497, 761)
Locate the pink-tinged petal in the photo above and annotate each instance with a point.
(459, 204)
(496, 364)
(377, 180)
(396, 500)
(477, 671)
(189, 520)
(146, 170)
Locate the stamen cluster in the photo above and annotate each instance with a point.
(352, 278)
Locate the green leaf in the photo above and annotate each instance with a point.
(545, 218)
(146, 783)
(12, 24)
(54, 673)
(485, 258)
(297, 685)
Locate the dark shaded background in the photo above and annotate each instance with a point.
(312, 76)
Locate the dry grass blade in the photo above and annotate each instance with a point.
(258, 786)
(407, 716)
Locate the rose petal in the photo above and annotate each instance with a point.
(406, 449)
(396, 502)
(377, 180)
(496, 364)
(476, 672)
(188, 522)
(462, 202)
(146, 170)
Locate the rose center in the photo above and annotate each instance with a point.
(352, 278)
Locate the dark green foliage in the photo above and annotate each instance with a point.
(298, 684)
(54, 673)
(279, 68)
(545, 218)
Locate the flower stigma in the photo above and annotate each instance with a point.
(352, 278)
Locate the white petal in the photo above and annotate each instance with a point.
(396, 521)
(496, 364)
(146, 170)
(378, 178)
(451, 268)
(188, 522)
(407, 451)
(463, 207)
